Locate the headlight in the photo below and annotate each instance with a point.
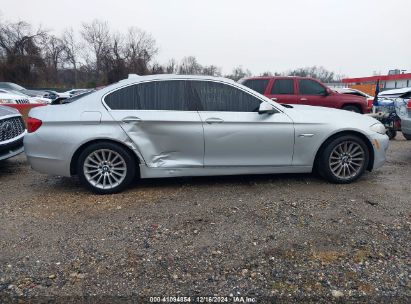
(3, 101)
(379, 128)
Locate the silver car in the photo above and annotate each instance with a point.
(402, 102)
(173, 125)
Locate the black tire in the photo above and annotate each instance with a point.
(391, 133)
(352, 109)
(126, 158)
(407, 136)
(323, 165)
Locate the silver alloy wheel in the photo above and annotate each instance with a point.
(105, 169)
(347, 159)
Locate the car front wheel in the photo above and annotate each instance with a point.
(344, 159)
(106, 168)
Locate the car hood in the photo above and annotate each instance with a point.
(350, 97)
(323, 115)
(4, 111)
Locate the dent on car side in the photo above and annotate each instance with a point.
(66, 130)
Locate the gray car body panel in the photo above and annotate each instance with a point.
(177, 143)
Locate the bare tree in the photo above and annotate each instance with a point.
(97, 37)
(116, 62)
(72, 50)
(211, 70)
(140, 48)
(20, 47)
(238, 73)
(315, 72)
(171, 67)
(53, 54)
(157, 68)
(190, 66)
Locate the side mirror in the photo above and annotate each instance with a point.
(266, 108)
(327, 92)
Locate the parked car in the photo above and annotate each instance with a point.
(69, 94)
(52, 94)
(9, 98)
(401, 98)
(20, 98)
(307, 91)
(10, 86)
(179, 125)
(72, 93)
(12, 131)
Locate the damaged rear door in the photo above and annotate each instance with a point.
(160, 119)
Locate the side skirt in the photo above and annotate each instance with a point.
(147, 172)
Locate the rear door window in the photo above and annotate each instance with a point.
(283, 87)
(156, 95)
(310, 87)
(215, 96)
(257, 85)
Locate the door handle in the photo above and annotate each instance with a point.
(303, 99)
(131, 119)
(213, 120)
(274, 99)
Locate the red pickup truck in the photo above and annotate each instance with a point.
(308, 91)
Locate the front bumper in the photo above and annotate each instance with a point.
(380, 144)
(11, 149)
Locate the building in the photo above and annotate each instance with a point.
(394, 80)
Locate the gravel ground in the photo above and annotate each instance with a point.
(288, 237)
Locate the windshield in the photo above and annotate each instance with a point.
(14, 86)
(13, 92)
(18, 93)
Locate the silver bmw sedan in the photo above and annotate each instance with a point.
(175, 125)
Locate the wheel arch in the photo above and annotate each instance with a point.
(342, 133)
(353, 105)
(76, 155)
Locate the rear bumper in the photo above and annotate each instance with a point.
(11, 149)
(46, 157)
(380, 144)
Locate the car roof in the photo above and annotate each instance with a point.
(137, 78)
(275, 77)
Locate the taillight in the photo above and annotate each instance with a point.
(370, 102)
(33, 124)
(409, 105)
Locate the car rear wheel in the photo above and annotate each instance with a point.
(407, 136)
(352, 109)
(344, 159)
(391, 133)
(106, 168)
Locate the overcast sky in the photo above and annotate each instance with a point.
(350, 37)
